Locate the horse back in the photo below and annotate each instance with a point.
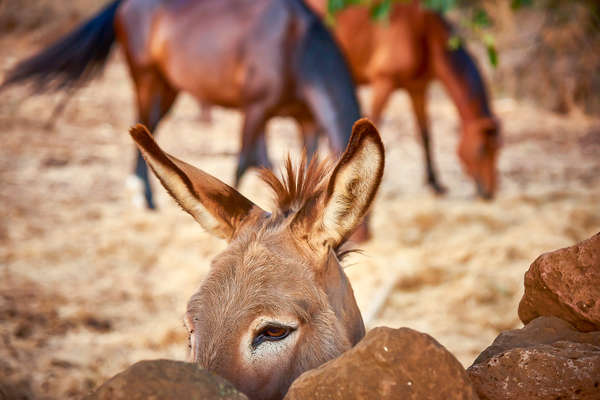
(216, 50)
(393, 49)
(133, 23)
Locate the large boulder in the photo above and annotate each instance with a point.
(387, 364)
(547, 359)
(166, 380)
(565, 283)
(20, 390)
(542, 330)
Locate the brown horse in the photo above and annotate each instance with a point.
(264, 57)
(276, 302)
(409, 51)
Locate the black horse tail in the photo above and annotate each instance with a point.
(327, 83)
(73, 59)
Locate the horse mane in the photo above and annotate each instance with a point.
(299, 183)
(465, 67)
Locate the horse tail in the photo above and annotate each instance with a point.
(326, 83)
(73, 59)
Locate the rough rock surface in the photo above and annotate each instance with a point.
(165, 379)
(563, 370)
(542, 330)
(565, 283)
(15, 390)
(547, 359)
(387, 364)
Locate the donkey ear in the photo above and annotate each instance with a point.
(353, 184)
(219, 208)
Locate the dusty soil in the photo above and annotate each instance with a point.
(90, 284)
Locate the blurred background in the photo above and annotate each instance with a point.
(90, 284)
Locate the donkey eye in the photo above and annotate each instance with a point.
(271, 333)
(276, 332)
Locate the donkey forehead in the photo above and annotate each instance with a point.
(271, 250)
(265, 275)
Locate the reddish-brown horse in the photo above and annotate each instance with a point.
(409, 51)
(264, 57)
(276, 302)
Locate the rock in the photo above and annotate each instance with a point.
(565, 283)
(547, 359)
(20, 390)
(562, 370)
(387, 364)
(542, 330)
(165, 379)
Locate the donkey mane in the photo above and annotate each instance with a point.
(275, 302)
(299, 184)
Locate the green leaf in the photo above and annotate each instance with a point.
(330, 20)
(488, 39)
(441, 6)
(516, 4)
(490, 46)
(492, 56)
(333, 6)
(480, 18)
(381, 10)
(454, 42)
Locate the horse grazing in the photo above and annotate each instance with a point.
(276, 302)
(264, 57)
(409, 51)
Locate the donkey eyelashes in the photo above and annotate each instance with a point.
(283, 313)
(272, 332)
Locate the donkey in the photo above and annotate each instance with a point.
(409, 52)
(276, 302)
(264, 57)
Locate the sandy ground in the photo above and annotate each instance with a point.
(90, 284)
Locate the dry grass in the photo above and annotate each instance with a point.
(90, 284)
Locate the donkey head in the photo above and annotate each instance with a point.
(276, 302)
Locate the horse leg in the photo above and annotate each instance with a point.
(310, 137)
(418, 100)
(204, 116)
(382, 90)
(253, 152)
(155, 97)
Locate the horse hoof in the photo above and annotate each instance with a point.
(486, 196)
(438, 189)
